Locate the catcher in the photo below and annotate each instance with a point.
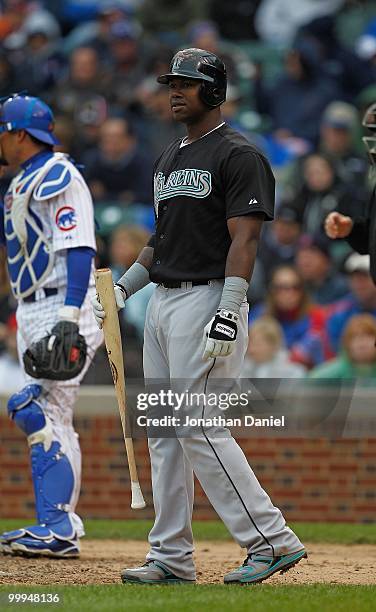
(47, 227)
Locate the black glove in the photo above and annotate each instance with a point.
(59, 356)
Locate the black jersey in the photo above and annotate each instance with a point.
(198, 187)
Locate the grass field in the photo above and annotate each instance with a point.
(209, 597)
(332, 533)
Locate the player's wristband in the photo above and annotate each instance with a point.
(134, 279)
(233, 294)
(69, 313)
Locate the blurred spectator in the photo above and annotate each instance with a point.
(165, 19)
(277, 20)
(321, 192)
(38, 60)
(296, 102)
(12, 17)
(127, 62)
(81, 96)
(8, 81)
(12, 377)
(313, 262)
(126, 244)
(96, 31)
(205, 35)
(357, 358)
(266, 356)
(65, 132)
(337, 131)
(159, 126)
(361, 299)
(351, 73)
(302, 322)
(279, 240)
(7, 302)
(117, 169)
(234, 19)
(366, 44)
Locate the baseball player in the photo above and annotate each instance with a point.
(360, 232)
(47, 227)
(213, 190)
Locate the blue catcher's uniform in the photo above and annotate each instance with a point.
(48, 231)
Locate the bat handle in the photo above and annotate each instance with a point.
(138, 501)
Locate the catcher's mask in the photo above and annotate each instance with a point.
(369, 122)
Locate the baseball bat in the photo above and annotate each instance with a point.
(112, 337)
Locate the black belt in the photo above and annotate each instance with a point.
(47, 293)
(182, 284)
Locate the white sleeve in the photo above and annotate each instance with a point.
(72, 217)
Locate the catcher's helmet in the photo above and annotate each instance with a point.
(203, 66)
(22, 112)
(369, 121)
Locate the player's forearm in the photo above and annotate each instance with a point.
(239, 267)
(241, 258)
(137, 276)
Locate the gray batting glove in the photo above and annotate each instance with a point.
(98, 310)
(220, 334)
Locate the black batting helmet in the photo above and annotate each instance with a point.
(203, 66)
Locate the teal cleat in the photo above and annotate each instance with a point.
(152, 572)
(257, 568)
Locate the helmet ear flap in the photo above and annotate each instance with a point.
(211, 96)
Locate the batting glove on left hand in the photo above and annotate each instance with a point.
(220, 334)
(98, 310)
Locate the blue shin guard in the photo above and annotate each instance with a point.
(53, 480)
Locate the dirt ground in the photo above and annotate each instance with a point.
(102, 560)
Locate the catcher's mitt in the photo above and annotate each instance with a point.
(59, 356)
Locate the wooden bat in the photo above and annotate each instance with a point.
(112, 337)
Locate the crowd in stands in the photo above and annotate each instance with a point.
(301, 74)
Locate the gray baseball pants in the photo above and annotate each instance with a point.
(173, 350)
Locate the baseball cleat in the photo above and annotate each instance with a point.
(28, 547)
(4, 545)
(38, 541)
(257, 568)
(152, 572)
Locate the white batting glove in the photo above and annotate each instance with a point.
(220, 334)
(98, 310)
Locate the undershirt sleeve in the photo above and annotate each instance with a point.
(249, 186)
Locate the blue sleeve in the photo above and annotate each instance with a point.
(78, 268)
(2, 230)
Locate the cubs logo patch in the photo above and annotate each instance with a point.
(66, 218)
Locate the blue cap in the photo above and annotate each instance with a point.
(22, 112)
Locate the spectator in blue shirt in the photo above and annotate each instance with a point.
(361, 299)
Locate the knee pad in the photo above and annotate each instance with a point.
(28, 415)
